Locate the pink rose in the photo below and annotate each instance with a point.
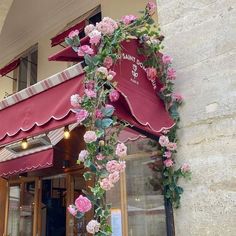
(128, 19)
(81, 115)
(108, 106)
(163, 140)
(99, 114)
(110, 21)
(83, 155)
(151, 73)
(108, 62)
(185, 168)
(111, 75)
(90, 85)
(85, 49)
(90, 136)
(171, 74)
(93, 227)
(122, 166)
(167, 154)
(100, 157)
(166, 59)
(112, 166)
(95, 37)
(83, 204)
(151, 6)
(107, 26)
(177, 97)
(73, 34)
(103, 71)
(88, 29)
(90, 93)
(168, 162)
(72, 209)
(114, 177)
(114, 95)
(106, 184)
(165, 131)
(121, 150)
(75, 100)
(171, 146)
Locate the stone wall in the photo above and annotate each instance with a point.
(201, 37)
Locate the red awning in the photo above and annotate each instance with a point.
(61, 37)
(10, 67)
(128, 134)
(51, 109)
(68, 54)
(143, 103)
(40, 113)
(27, 163)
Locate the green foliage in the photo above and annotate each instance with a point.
(107, 127)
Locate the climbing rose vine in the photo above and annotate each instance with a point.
(103, 156)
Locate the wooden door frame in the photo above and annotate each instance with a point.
(20, 182)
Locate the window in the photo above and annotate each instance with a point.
(138, 207)
(26, 74)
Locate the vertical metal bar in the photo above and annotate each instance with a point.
(170, 226)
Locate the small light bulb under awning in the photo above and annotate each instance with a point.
(66, 132)
(24, 144)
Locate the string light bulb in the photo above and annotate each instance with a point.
(66, 132)
(24, 143)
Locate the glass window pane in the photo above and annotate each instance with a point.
(14, 211)
(22, 80)
(114, 196)
(33, 66)
(27, 209)
(145, 201)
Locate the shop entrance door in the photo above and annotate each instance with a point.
(53, 205)
(21, 207)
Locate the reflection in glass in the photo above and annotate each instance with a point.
(14, 211)
(145, 201)
(139, 202)
(27, 209)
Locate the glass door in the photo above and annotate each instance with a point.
(53, 206)
(22, 211)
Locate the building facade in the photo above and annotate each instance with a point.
(200, 36)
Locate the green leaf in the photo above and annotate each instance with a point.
(106, 122)
(79, 215)
(107, 111)
(76, 41)
(88, 60)
(68, 41)
(96, 60)
(87, 175)
(98, 123)
(75, 48)
(98, 211)
(179, 190)
(100, 133)
(87, 162)
(165, 173)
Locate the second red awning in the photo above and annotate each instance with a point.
(35, 161)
